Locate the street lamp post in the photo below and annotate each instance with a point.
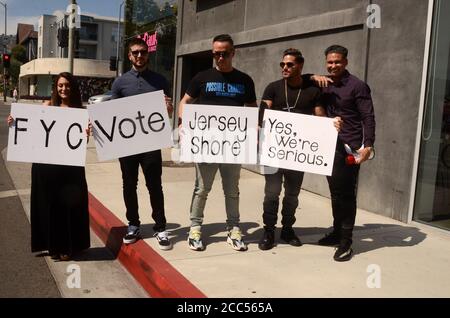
(71, 34)
(118, 39)
(4, 51)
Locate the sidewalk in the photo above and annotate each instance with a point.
(413, 259)
(101, 275)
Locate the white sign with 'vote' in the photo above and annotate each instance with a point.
(298, 142)
(48, 134)
(131, 125)
(219, 134)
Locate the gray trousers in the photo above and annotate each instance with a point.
(205, 174)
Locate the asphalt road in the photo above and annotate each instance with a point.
(22, 274)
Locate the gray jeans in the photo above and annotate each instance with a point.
(205, 174)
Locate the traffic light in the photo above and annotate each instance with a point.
(112, 63)
(6, 60)
(63, 37)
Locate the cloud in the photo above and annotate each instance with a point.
(13, 21)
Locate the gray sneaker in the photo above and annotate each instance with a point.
(195, 240)
(235, 239)
(133, 234)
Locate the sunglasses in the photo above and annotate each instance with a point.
(288, 64)
(142, 52)
(223, 54)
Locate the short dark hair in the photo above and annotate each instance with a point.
(223, 38)
(137, 41)
(296, 53)
(337, 49)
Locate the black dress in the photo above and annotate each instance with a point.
(59, 209)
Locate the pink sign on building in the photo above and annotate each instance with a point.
(151, 40)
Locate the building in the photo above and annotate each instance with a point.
(155, 21)
(27, 37)
(96, 44)
(400, 48)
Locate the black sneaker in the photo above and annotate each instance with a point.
(344, 252)
(267, 241)
(132, 235)
(163, 240)
(330, 239)
(288, 235)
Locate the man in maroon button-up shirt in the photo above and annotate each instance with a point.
(349, 98)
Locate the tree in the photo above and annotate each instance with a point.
(145, 11)
(19, 53)
(14, 72)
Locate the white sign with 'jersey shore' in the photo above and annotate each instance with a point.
(298, 142)
(48, 134)
(131, 125)
(219, 134)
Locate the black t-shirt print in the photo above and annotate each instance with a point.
(212, 87)
(310, 97)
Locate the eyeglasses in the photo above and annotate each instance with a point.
(223, 54)
(288, 64)
(142, 52)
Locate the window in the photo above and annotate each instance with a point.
(432, 203)
(89, 32)
(203, 5)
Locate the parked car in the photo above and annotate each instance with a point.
(100, 98)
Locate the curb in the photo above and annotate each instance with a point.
(153, 272)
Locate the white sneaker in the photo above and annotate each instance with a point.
(163, 240)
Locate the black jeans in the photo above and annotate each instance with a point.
(151, 164)
(292, 184)
(343, 189)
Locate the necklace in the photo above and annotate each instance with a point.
(288, 108)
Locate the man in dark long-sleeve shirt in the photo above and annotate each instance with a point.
(141, 80)
(349, 98)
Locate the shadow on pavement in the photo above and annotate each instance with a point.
(370, 237)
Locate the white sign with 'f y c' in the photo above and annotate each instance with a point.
(131, 125)
(48, 134)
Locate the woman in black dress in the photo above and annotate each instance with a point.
(59, 195)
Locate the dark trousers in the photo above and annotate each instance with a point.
(292, 184)
(343, 189)
(151, 164)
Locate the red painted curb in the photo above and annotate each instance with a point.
(154, 273)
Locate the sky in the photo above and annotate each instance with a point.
(29, 11)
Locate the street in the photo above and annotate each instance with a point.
(22, 274)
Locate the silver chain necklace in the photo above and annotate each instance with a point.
(288, 108)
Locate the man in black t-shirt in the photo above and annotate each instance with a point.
(290, 94)
(222, 85)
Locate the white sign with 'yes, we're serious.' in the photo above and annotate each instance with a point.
(298, 142)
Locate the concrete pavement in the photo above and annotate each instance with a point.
(412, 260)
(101, 275)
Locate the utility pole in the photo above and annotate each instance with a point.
(118, 40)
(5, 89)
(73, 12)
